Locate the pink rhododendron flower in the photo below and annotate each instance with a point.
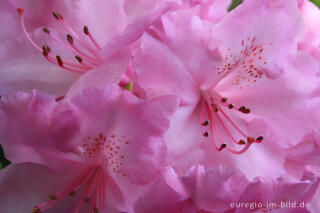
(239, 82)
(76, 41)
(159, 106)
(95, 142)
(225, 190)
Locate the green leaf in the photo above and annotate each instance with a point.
(234, 4)
(316, 2)
(129, 86)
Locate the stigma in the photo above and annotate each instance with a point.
(86, 53)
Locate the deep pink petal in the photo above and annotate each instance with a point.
(167, 194)
(137, 126)
(51, 128)
(283, 189)
(246, 40)
(17, 195)
(136, 28)
(109, 72)
(175, 57)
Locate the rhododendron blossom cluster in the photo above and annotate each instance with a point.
(160, 106)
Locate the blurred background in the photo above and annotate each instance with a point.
(4, 162)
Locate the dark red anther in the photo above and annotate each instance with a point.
(57, 15)
(222, 146)
(45, 50)
(242, 142)
(71, 194)
(86, 30)
(45, 29)
(223, 100)
(206, 134)
(20, 10)
(36, 210)
(69, 38)
(251, 139)
(53, 197)
(87, 199)
(244, 110)
(78, 58)
(260, 138)
(215, 107)
(59, 98)
(96, 210)
(230, 106)
(60, 62)
(206, 123)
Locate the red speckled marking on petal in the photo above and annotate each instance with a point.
(248, 63)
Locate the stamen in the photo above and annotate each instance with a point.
(244, 110)
(259, 139)
(84, 55)
(36, 210)
(71, 194)
(72, 32)
(96, 210)
(60, 62)
(74, 186)
(20, 10)
(240, 151)
(53, 197)
(225, 128)
(69, 38)
(206, 123)
(79, 58)
(57, 15)
(222, 146)
(45, 29)
(86, 31)
(223, 100)
(87, 192)
(45, 50)
(242, 142)
(215, 107)
(215, 120)
(251, 139)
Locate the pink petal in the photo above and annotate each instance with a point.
(110, 71)
(215, 189)
(141, 132)
(166, 195)
(134, 30)
(19, 196)
(175, 58)
(284, 189)
(50, 124)
(273, 41)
